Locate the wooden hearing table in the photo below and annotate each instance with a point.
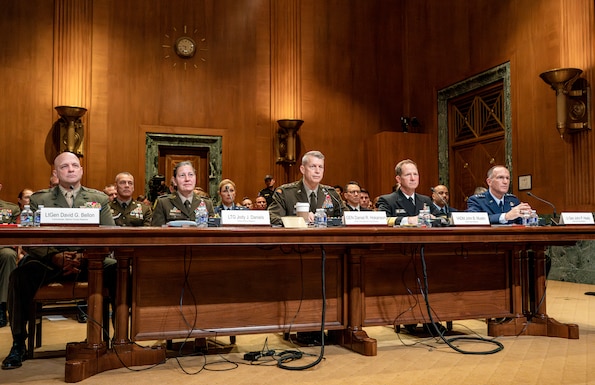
(190, 282)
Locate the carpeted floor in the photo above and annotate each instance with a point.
(402, 359)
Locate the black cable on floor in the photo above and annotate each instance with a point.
(291, 355)
(425, 291)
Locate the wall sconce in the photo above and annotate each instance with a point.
(286, 140)
(572, 99)
(70, 128)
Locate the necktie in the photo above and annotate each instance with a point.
(69, 198)
(187, 204)
(411, 200)
(443, 210)
(313, 202)
(124, 205)
(502, 206)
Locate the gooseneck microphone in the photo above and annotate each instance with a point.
(553, 219)
(324, 190)
(443, 201)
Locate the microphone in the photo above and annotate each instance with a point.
(553, 219)
(324, 190)
(443, 201)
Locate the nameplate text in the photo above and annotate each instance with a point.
(361, 218)
(69, 216)
(245, 217)
(463, 218)
(576, 218)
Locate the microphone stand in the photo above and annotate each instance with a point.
(553, 220)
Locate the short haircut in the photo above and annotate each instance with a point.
(352, 182)
(490, 173)
(399, 166)
(316, 154)
(182, 164)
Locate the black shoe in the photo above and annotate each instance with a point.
(15, 358)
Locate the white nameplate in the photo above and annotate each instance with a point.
(294, 222)
(463, 218)
(69, 216)
(357, 218)
(576, 218)
(245, 217)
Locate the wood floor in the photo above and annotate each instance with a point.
(402, 359)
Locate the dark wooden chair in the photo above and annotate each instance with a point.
(59, 298)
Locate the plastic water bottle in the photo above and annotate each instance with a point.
(526, 218)
(202, 215)
(320, 218)
(27, 217)
(533, 218)
(424, 219)
(37, 217)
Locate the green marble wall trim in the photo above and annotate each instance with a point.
(211, 143)
(501, 72)
(573, 263)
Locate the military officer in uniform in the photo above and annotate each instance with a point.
(182, 203)
(403, 205)
(227, 192)
(48, 264)
(501, 206)
(308, 189)
(9, 212)
(269, 190)
(125, 210)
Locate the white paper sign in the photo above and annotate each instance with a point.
(245, 217)
(69, 216)
(463, 218)
(359, 218)
(576, 218)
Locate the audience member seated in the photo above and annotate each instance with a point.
(260, 203)
(125, 210)
(227, 194)
(247, 203)
(352, 195)
(9, 213)
(24, 197)
(110, 191)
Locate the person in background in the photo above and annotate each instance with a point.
(308, 189)
(183, 202)
(260, 203)
(479, 190)
(269, 189)
(404, 204)
(9, 213)
(111, 192)
(364, 199)
(227, 193)
(53, 181)
(46, 264)
(125, 210)
(339, 190)
(247, 203)
(352, 197)
(440, 200)
(501, 206)
(24, 197)
(144, 200)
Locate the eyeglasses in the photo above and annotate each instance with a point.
(355, 192)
